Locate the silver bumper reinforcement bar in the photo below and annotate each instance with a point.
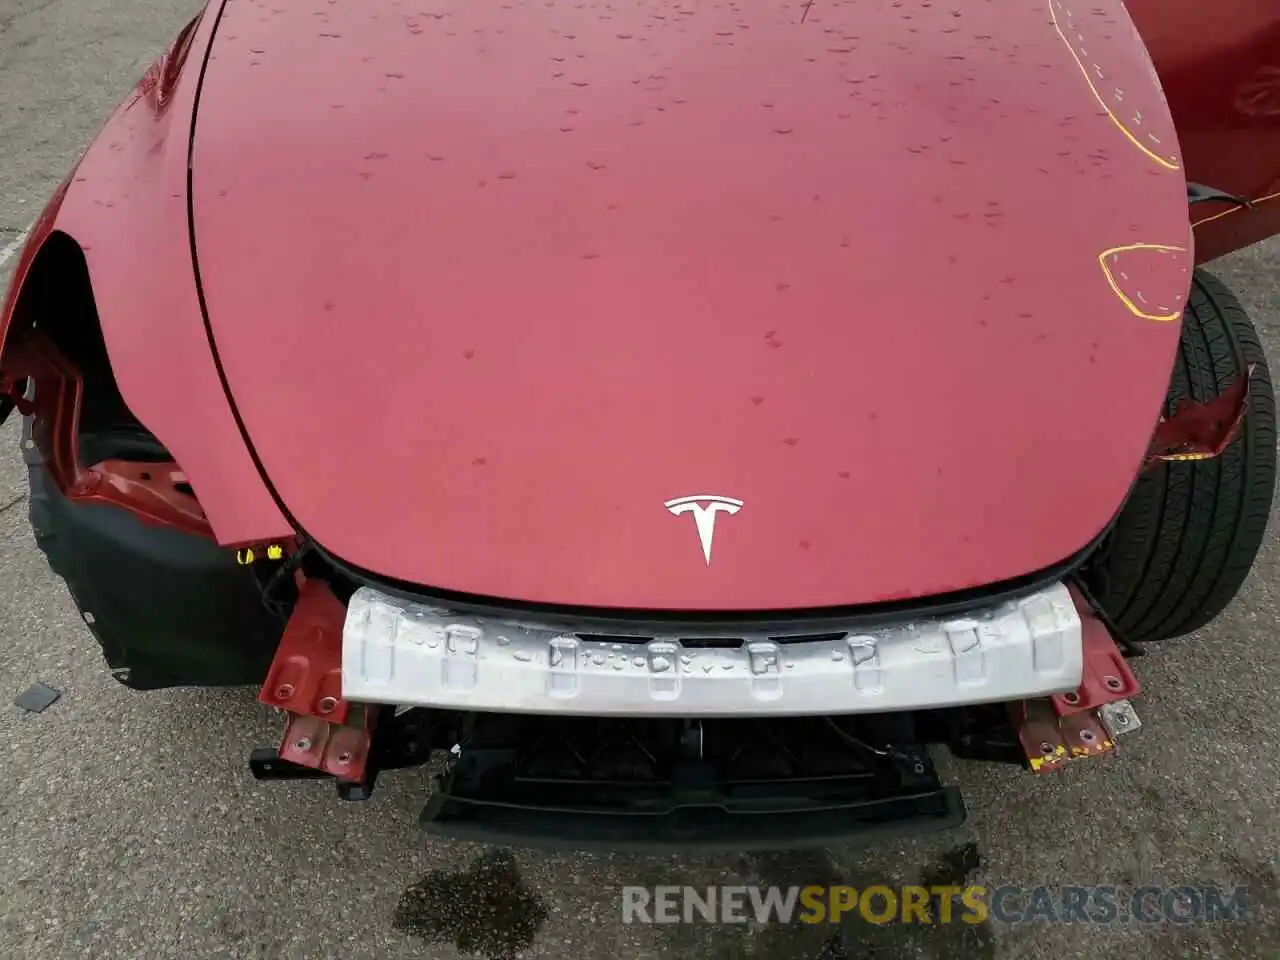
(395, 651)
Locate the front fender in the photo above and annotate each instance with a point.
(126, 206)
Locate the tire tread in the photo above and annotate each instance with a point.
(1187, 538)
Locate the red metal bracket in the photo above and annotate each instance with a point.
(1106, 676)
(155, 492)
(323, 731)
(338, 750)
(1050, 741)
(158, 489)
(1198, 431)
(1038, 732)
(1085, 735)
(306, 674)
(1055, 730)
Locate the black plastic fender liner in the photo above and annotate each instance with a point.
(168, 608)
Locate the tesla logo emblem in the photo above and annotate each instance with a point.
(704, 509)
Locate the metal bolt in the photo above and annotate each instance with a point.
(302, 743)
(1071, 698)
(344, 758)
(1087, 736)
(1113, 683)
(1046, 748)
(284, 691)
(328, 704)
(1121, 720)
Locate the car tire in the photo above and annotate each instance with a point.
(1188, 534)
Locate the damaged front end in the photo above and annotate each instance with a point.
(568, 730)
(114, 513)
(141, 485)
(582, 724)
(1201, 430)
(368, 680)
(666, 760)
(560, 730)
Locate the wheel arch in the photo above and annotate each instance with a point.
(114, 239)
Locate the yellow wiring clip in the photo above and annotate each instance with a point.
(245, 557)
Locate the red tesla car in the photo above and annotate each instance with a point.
(683, 417)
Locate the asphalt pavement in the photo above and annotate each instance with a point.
(129, 826)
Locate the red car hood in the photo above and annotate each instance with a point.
(493, 282)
